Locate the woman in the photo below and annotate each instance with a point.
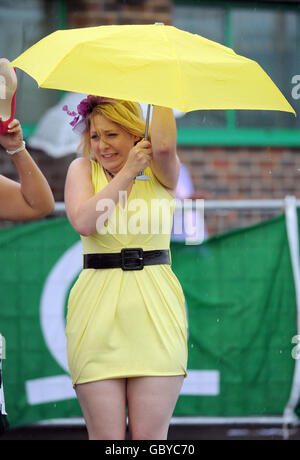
(32, 197)
(126, 324)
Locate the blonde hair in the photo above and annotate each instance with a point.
(127, 114)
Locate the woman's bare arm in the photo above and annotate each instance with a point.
(165, 163)
(82, 205)
(32, 197)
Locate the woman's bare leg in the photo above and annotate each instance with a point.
(103, 404)
(151, 402)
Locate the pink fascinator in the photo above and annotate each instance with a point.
(84, 109)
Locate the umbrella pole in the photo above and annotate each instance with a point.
(147, 122)
(141, 175)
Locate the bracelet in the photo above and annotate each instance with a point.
(12, 152)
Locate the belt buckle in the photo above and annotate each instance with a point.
(125, 257)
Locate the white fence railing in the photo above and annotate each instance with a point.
(275, 204)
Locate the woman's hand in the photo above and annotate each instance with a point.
(14, 138)
(139, 157)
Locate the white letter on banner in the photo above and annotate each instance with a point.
(52, 319)
(201, 383)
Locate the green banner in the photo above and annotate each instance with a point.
(241, 308)
(239, 289)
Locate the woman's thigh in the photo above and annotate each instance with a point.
(103, 404)
(151, 402)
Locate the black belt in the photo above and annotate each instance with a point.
(127, 259)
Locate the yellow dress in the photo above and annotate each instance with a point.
(128, 323)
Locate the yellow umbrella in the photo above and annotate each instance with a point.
(155, 64)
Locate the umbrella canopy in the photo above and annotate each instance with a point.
(155, 64)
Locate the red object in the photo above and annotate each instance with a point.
(7, 108)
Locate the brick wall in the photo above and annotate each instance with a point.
(83, 13)
(242, 173)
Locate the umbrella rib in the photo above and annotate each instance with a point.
(178, 64)
(58, 63)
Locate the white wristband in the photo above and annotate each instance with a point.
(12, 152)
